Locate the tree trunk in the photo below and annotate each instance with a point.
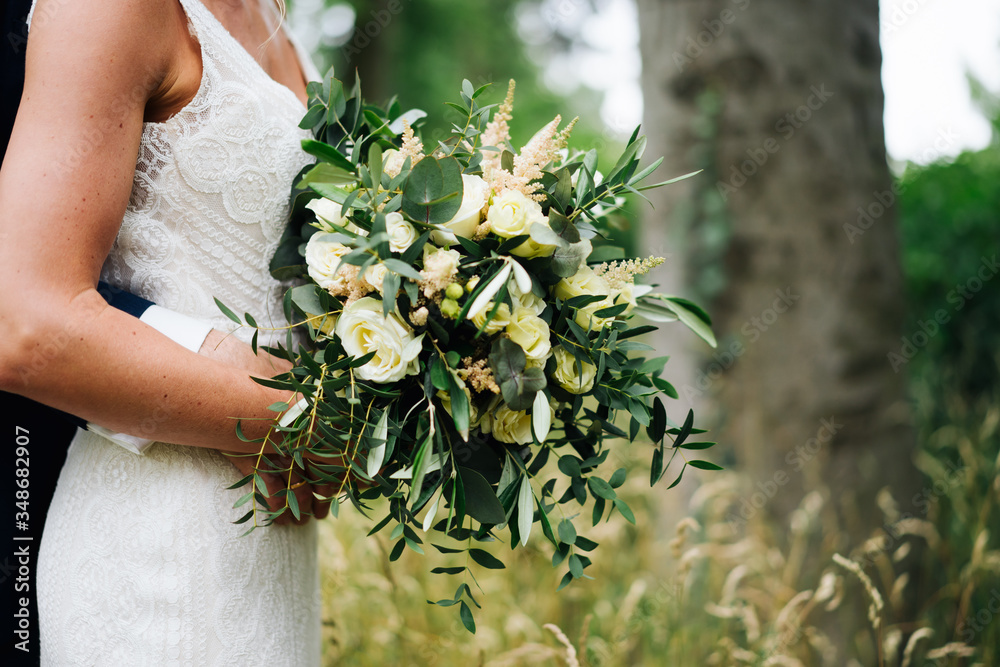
(781, 104)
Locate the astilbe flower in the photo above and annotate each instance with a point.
(412, 146)
(497, 132)
(540, 150)
(618, 274)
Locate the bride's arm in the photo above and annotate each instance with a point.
(93, 66)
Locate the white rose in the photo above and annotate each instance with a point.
(526, 299)
(475, 194)
(530, 332)
(323, 257)
(328, 212)
(362, 329)
(499, 322)
(401, 233)
(375, 274)
(569, 376)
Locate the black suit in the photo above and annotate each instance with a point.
(49, 431)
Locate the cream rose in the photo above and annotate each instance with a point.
(530, 332)
(401, 233)
(475, 194)
(511, 426)
(570, 376)
(499, 322)
(323, 258)
(512, 214)
(375, 275)
(362, 329)
(586, 282)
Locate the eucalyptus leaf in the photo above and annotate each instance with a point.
(525, 510)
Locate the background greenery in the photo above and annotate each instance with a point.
(708, 589)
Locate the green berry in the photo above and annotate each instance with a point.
(450, 308)
(454, 291)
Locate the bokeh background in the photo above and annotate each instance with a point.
(843, 235)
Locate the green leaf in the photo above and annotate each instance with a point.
(686, 429)
(656, 467)
(481, 501)
(467, 620)
(486, 559)
(692, 316)
(517, 383)
(525, 510)
(704, 465)
(658, 425)
(567, 532)
(227, 312)
(601, 488)
(327, 153)
(566, 261)
(625, 510)
(575, 566)
(433, 191)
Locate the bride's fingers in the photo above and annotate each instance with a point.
(324, 497)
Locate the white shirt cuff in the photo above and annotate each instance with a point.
(181, 329)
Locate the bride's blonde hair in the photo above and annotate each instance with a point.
(282, 13)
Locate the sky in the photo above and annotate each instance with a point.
(928, 46)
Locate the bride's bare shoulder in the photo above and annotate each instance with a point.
(143, 46)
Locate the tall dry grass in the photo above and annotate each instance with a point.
(922, 590)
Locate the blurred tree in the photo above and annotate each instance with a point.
(781, 103)
(421, 52)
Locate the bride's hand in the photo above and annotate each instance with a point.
(286, 477)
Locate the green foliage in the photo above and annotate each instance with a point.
(950, 225)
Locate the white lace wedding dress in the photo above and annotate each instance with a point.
(140, 563)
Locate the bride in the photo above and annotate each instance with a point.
(153, 149)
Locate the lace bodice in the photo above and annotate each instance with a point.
(210, 196)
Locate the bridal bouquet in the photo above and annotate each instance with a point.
(470, 353)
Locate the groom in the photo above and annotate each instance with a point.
(46, 433)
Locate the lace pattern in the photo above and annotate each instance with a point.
(140, 563)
